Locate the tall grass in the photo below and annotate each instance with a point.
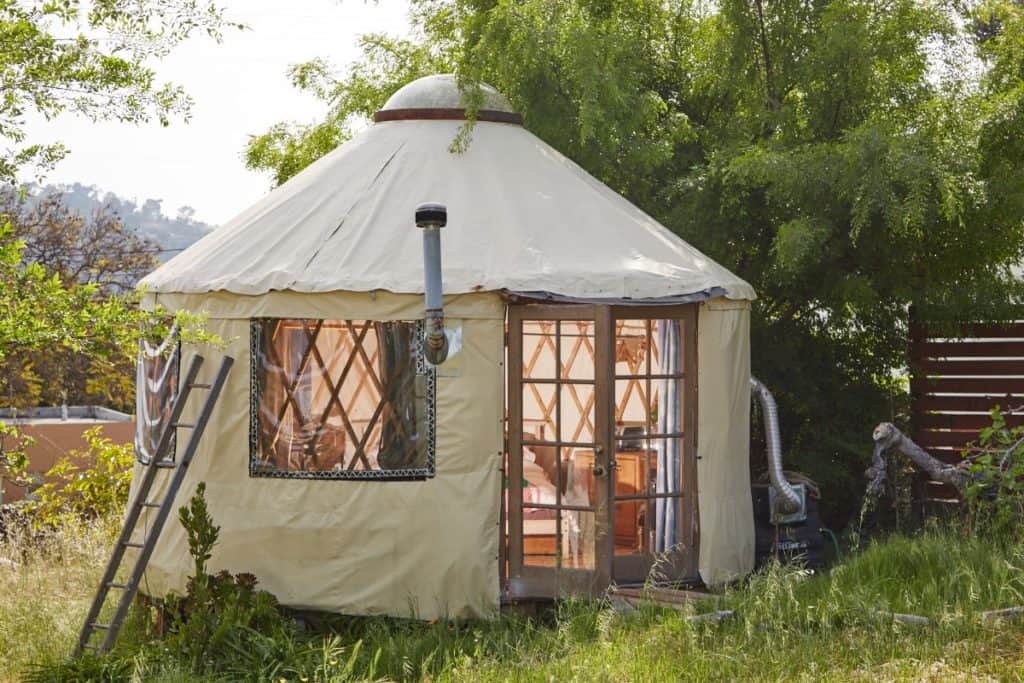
(44, 598)
(788, 626)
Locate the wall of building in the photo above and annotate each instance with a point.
(55, 439)
(418, 548)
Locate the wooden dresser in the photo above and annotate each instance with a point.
(629, 481)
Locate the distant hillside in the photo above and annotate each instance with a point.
(148, 218)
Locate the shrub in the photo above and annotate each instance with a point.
(994, 494)
(87, 484)
(13, 460)
(222, 626)
(216, 611)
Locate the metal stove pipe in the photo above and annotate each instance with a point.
(431, 218)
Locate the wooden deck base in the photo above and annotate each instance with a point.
(674, 598)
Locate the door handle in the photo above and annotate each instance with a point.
(599, 470)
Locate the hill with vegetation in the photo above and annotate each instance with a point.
(147, 218)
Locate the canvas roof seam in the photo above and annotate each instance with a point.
(359, 200)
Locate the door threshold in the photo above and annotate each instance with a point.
(659, 595)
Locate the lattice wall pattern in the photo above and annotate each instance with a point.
(341, 399)
(564, 350)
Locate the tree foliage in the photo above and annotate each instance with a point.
(97, 248)
(39, 312)
(98, 251)
(388, 64)
(848, 158)
(997, 479)
(93, 59)
(87, 484)
(69, 332)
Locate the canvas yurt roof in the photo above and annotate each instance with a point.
(521, 217)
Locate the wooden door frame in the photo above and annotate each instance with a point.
(525, 581)
(521, 581)
(689, 521)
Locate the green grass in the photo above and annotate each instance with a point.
(788, 626)
(44, 599)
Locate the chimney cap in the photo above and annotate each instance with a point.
(431, 216)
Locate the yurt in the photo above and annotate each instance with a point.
(589, 421)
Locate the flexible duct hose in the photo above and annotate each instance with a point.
(787, 498)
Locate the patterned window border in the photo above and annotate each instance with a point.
(403, 474)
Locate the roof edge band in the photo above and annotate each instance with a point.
(446, 114)
(541, 297)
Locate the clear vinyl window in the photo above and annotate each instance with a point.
(340, 399)
(156, 388)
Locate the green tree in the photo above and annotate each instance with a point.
(387, 65)
(93, 59)
(850, 159)
(97, 249)
(38, 311)
(86, 484)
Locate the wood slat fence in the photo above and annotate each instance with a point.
(954, 383)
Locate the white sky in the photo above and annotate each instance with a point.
(240, 87)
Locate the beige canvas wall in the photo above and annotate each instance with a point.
(723, 441)
(427, 548)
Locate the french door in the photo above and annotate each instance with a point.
(557, 499)
(601, 485)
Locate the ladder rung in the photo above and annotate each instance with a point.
(149, 537)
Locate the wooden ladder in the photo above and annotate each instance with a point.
(141, 501)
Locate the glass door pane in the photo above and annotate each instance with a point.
(653, 491)
(557, 441)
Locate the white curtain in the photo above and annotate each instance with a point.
(156, 386)
(666, 526)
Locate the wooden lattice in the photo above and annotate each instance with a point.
(636, 359)
(341, 397)
(558, 358)
(561, 361)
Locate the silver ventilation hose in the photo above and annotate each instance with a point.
(431, 218)
(787, 497)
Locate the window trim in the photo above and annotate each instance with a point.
(428, 471)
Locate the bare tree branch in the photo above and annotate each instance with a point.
(887, 436)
